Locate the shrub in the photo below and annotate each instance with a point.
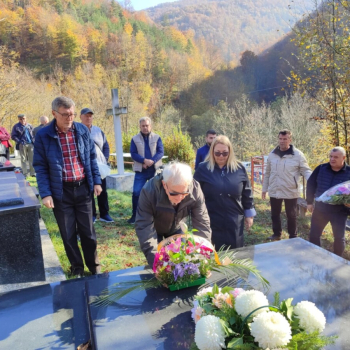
(178, 146)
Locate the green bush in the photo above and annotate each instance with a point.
(127, 136)
(178, 146)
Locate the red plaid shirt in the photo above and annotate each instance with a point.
(73, 169)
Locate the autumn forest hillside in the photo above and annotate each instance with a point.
(83, 48)
(234, 26)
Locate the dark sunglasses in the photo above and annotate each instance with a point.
(175, 193)
(224, 154)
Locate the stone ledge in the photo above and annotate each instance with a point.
(120, 183)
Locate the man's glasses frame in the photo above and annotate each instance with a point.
(66, 115)
(224, 154)
(173, 194)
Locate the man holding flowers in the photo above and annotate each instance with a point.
(165, 201)
(323, 178)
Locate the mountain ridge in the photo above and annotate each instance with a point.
(251, 25)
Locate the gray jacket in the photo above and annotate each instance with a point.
(156, 218)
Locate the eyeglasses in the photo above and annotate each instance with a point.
(224, 154)
(175, 193)
(65, 115)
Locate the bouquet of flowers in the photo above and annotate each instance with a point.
(337, 195)
(232, 318)
(182, 261)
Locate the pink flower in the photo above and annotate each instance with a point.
(206, 249)
(155, 262)
(175, 246)
(236, 292)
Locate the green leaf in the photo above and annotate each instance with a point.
(226, 289)
(287, 308)
(215, 289)
(234, 342)
(232, 320)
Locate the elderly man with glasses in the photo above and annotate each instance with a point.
(67, 174)
(166, 201)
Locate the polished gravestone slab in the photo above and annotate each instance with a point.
(21, 257)
(53, 316)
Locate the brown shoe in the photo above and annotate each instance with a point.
(274, 238)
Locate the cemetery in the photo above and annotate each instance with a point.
(40, 309)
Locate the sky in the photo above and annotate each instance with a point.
(143, 4)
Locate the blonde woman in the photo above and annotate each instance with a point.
(228, 194)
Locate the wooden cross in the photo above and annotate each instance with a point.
(117, 111)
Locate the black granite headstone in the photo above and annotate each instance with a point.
(6, 166)
(21, 257)
(55, 317)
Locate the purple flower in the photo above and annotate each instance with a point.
(344, 190)
(178, 271)
(192, 268)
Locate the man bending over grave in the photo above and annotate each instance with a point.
(167, 200)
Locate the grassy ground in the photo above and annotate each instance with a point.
(118, 246)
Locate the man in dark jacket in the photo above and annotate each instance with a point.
(44, 120)
(166, 201)
(322, 179)
(67, 174)
(203, 151)
(22, 134)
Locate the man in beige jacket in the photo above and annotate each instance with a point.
(284, 166)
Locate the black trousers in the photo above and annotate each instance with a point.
(102, 201)
(319, 220)
(75, 211)
(291, 212)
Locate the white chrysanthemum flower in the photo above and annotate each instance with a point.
(250, 300)
(209, 334)
(311, 319)
(271, 329)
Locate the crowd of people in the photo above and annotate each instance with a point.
(65, 156)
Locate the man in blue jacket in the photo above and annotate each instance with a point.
(322, 179)
(146, 150)
(203, 151)
(22, 134)
(67, 174)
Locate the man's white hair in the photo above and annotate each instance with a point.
(145, 119)
(339, 149)
(177, 174)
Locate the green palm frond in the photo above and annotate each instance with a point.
(237, 272)
(118, 290)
